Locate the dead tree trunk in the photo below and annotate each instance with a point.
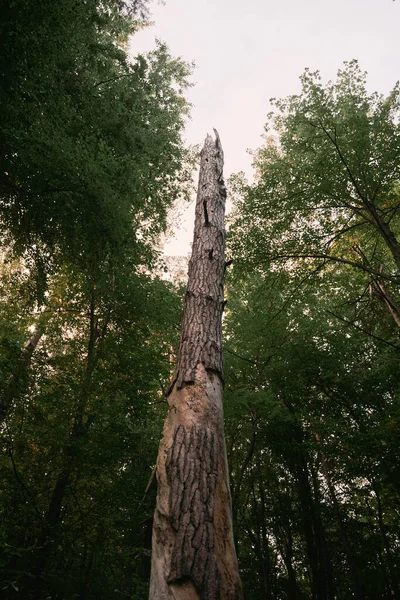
(193, 555)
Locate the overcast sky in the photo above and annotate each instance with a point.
(251, 50)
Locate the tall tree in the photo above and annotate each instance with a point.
(193, 553)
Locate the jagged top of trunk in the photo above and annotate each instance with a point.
(204, 300)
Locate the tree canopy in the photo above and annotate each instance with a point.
(92, 151)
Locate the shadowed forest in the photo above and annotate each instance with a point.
(93, 163)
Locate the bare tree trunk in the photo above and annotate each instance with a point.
(193, 555)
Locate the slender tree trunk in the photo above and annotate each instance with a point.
(79, 430)
(319, 560)
(386, 232)
(321, 541)
(15, 381)
(392, 307)
(389, 556)
(245, 465)
(268, 569)
(193, 556)
(286, 551)
(358, 586)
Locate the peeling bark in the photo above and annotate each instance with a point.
(193, 556)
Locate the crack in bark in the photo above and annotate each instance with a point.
(206, 219)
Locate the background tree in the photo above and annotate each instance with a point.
(312, 334)
(312, 413)
(78, 445)
(327, 187)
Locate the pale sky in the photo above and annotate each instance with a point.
(251, 50)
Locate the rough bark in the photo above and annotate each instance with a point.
(193, 555)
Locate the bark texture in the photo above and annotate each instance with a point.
(193, 555)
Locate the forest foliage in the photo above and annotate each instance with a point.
(312, 341)
(92, 160)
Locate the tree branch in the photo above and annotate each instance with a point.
(376, 337)
(344, 261)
